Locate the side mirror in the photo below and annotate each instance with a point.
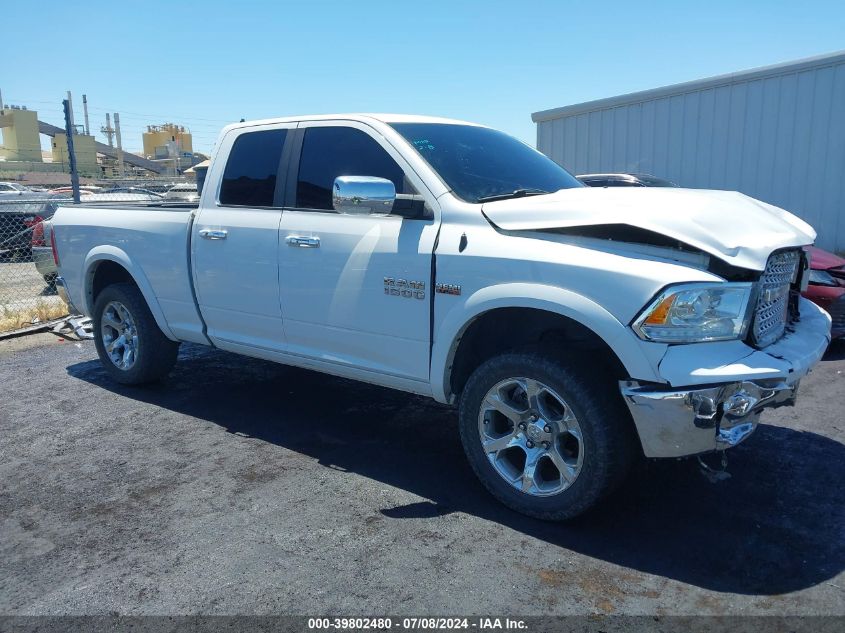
(363, 195)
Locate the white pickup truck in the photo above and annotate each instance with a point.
(575, 328)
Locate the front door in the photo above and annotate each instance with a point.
(355, 289)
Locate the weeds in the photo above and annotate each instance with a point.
(13, 318)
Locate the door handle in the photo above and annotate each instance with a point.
(303, 242)
(214, 234)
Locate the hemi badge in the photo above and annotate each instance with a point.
(447, 289)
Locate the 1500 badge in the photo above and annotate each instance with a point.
(404, 288)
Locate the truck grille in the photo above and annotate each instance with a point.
(770, 315)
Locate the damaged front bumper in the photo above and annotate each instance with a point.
(674, 422)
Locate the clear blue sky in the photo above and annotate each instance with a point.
(203, 64)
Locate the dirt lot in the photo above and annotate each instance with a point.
(239, 486)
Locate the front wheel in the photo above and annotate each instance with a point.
(542, 437)
(130, 344)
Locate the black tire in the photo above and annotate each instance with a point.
(608, 441)
(155, 354)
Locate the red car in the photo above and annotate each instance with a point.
(827, 286)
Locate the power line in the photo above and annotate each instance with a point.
(143, 120)
(165, 116)
(122, 112)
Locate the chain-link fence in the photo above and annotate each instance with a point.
(27, 269)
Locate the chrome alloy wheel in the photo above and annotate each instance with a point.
(120, 335)
(531, 436)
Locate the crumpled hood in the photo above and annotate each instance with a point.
(726, 224)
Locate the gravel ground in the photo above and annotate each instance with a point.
(240, 486)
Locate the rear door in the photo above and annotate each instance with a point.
(355, 289)
(236, 238)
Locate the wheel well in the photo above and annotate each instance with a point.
(105, 274)
(508, 329)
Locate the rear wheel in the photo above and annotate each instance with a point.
(130, 344)
(542, 438)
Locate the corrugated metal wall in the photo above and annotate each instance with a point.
(775, 134)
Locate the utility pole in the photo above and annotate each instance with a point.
(74, 176)
(85, 110)
(119, 146)
(108, 130)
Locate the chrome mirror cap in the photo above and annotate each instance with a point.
(363, 195)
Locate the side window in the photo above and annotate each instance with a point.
(329, 152)
(250, 175)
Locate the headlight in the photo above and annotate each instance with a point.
(822, 278)
(694, 313)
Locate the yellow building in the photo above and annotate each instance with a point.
(20, 135)
(83, 147)
(167, 141)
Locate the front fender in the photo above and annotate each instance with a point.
(112, 253)
(542, 297)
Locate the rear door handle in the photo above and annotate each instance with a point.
(303, 242)
(214, 234)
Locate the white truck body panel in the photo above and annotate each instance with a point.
(151, 244)
(237, 279)
(335, 304)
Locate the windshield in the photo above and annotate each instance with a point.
(478, 162)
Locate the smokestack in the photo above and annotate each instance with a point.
(85, 110)
(108, 130)
(119, 146)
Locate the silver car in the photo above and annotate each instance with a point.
(186, 192)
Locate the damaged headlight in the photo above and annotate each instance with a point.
(695, 313)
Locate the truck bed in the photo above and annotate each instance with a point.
(150, 240)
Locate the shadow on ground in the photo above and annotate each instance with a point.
(776, 526)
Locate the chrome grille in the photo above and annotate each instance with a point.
(772, 308)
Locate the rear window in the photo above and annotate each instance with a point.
(250, 175)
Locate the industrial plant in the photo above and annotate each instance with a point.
(167, 148)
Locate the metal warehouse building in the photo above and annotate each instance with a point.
(775, 133)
